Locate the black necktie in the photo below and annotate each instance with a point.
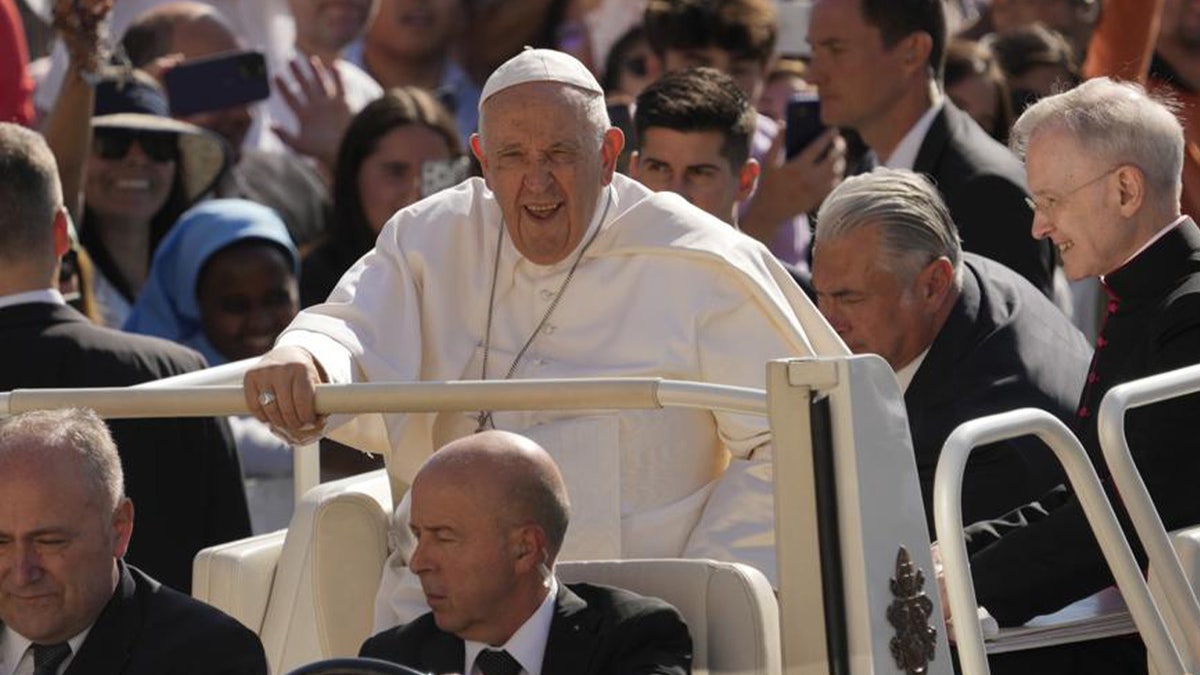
(496, 662)
(47, 658)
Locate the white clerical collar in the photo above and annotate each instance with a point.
(46, 295)
(905, 154)
(905, 375)
(1161, 233)
(528, 644)
(13, 647)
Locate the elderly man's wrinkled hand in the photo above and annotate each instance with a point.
(281, 391)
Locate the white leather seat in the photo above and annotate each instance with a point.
(730, 608)
(310, 595)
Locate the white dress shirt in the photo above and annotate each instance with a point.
(44, 295)
(905, 375)
(16, 655)
(905, 154)
(528, 644)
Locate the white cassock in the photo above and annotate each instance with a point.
(664, 290)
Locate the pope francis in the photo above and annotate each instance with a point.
(554, 266)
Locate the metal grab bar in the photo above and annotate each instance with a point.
(1156, 388)
(582, 394)
(947, 514)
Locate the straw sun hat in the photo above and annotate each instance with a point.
(137, 103)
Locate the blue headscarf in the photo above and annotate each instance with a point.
(167, 306)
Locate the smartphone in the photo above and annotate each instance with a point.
(439, 174)
(217, 82)
(803, 122)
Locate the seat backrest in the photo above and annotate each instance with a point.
(323, 593)
(730, 608)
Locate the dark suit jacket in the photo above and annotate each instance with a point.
(149, 629)
(1004, 346)
(596, 629)
(183, 475)
(1153, 326)
(984, 187)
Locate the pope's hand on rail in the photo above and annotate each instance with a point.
(281, 391)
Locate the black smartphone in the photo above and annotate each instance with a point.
(217, 82)
(439, 174)
(803, 122)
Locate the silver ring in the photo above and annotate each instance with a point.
(266, 398)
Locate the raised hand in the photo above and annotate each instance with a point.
(318, 99)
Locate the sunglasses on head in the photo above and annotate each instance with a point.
(160, 146)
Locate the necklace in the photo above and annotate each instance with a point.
(484, 418)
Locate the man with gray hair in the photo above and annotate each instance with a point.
(550, 266)
(1104, 165)
(966, 335)
(68, 602)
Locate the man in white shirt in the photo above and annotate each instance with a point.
(878, 68)
(555, 266)
(68, 603)
(966, 336)
(489, 513)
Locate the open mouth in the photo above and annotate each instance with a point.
(542, 211)
(1066, 246)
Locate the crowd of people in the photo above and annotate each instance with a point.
(997, 202)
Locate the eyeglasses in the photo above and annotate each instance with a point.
(1049, 204)
(159, 146)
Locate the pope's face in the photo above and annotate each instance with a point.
(58, 551)
(546, 166)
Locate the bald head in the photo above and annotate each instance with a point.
(512, 476)
(190, 28)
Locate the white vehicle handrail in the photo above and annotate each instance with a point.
(1153, 389)
(226, 373)
(947, 512)
(614, 393)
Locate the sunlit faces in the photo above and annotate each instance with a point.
(546, 166)
(691, 164)
(389, 179)
(857, 78)
(1077, 205)
(58, 546)
(416, 28)
(465, 558)
(871, 308)
(247, 295)
(332, 24)
(747, 73)
(133, 187)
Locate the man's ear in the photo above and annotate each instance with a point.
(529, 548)
(635, 169)
(935, 281)
(1132, 185)
(747, 179)
(62, 238)
(122, 527)
(610, 150)
(916, 50)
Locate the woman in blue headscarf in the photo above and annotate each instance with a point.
(224, 282)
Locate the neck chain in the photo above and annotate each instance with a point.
(484, 418)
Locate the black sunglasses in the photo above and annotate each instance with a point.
(160, 146)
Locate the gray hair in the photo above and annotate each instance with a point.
(30, 192)
(592, 106)
(76, 430)
(1117, 122)
(915, 225)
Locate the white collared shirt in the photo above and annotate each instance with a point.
(905, 154)
(528, 644)
(905, 375)
(16, 655)
(46, 295)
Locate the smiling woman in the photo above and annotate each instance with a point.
(143, 171)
